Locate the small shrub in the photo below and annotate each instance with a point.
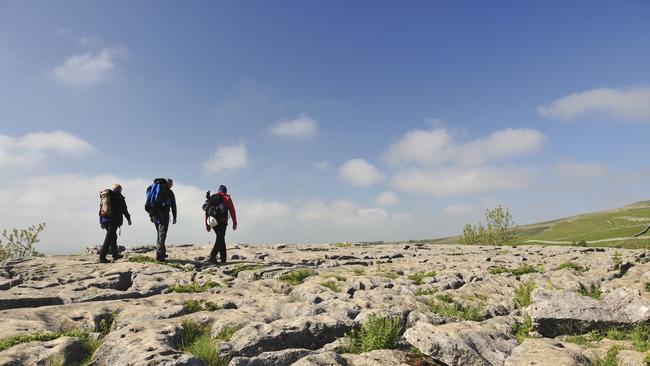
(332, 285)
(445, 297)
(617, 259)
(193, 287)
(226, 333)
(593, 291)
(449, 307)
(418, 277)
(521, 330)
(574, 266)
(297, 277)
(376, 333)
(522, 294)
(20, 242)
(640, 337)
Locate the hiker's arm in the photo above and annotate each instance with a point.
(174, 212)
(233, 214)
(125, 211)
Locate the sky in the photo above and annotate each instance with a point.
(328, 121)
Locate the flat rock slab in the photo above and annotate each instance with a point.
(547, 352)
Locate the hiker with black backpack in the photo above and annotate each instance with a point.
(217, 207)
(159, 200)
(112, 210)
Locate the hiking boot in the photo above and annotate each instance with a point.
(212, 260)
(161, 260)
(104, 260)
(119, 256)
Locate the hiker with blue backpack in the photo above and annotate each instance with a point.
(112, 210)
(159, 200)
(217, 208)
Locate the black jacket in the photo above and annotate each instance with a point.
(118, 208)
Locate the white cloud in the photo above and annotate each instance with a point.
(460, 181)
(436, 146)
(629, 104)
(88, 69)
(580, 170)
(458, 209)
(360, 173)
(387, 198)
(323, 165)
(33, 148)
(227, 157)
(258, 210)
(300, 128)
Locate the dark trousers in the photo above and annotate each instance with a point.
(161, 229)
(220, 242)
(110, 241)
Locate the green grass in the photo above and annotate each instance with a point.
(332, 285)
(425, 291)
(638, 335)
(193, 306)
(359, 271)
(341, 245)
(593, 291)
(106, 325)
(449, 307)
(646, 286)
(193, 287)
(418, 277)
(574, 266)
(388, 274)
(376, 333)
(610, 359)
(522, 294)
(245, 267)
(88, 343)
(335, 276)
(227, 332)
(517, 271)
(297, 277)
(617, 259)
(145, 259)
(521, 330)
(196, 340)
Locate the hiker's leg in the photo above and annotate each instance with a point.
(116, 254)
(221, 240)
(215, 247)
(158, 248)
(162, 237)
(110, 230)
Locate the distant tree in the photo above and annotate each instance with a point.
(20, 242)
(499, 228)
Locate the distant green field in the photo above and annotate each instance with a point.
(611, 228)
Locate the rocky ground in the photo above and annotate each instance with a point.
(455, 305)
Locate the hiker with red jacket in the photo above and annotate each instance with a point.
(112, 209)
(217, 208)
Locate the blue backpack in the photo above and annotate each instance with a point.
(157, 196)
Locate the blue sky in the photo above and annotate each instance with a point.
(328, 121)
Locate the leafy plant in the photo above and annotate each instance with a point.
(297, 277)
(20, 242)
(227, 332)
(617, 259)
(377, 332)
(499, 228)
(593, 291)
(193, 306)
(522, 294)
(449, 307)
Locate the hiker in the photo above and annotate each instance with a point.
(112, 210)
(160, 198)
(217, 207)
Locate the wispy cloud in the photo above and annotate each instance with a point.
(437, 146)
(33, 148)
(227, 157)
(88, 69)
(458, 209)
(359, 172)
(300, 128)
(387, 198)
(580, 170)
(626, 104)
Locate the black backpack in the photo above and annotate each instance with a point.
(215, 206)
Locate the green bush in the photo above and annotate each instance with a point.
(196, 340)
(522, 294)
(297, 277)
(20, 242)
(332, 285)
(193, 287)
(447, 306)
(593, 291)
(521, 330)
(499, 228)
(377, 332)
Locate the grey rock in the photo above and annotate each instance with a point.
(277, 358)
(547, 352)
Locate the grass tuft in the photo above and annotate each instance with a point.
(521, 330)
(359, 271)
(377, 332)
(227, 332)
(522, 294)
(418, 277)
(196, 340)
(106, 325)
(193, 306)
(245, 267)
(425, 291)
(610, 359)
(593, 291)
(335, 276)
(297, 277)
(341, 245)
(332, 285)
(194, 287)
(449, 307)
(574, 266)
(517, 271)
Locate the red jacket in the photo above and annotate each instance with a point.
(231, 208)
